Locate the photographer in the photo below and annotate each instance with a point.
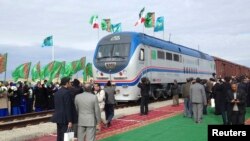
(145, 87)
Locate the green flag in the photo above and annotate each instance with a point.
(36, 72)
(73, 67)
(3, 62)
(45, 72)
(87, 71)
(55, 72)
(48, 41)
(50, 68)
(106, 25)
(150, 20)
(21, 71)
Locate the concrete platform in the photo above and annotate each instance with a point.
(128, 122)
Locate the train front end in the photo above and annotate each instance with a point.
(112, 61)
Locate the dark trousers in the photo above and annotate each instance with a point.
(144, 105)
(61, 129)
(237, 118)
(224, 113)
(224, 117)
(109, 112)
(30, 105)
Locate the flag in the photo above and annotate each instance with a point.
(36, 72)
(150, 20)
(45, 72)
(48, 41)
(3, 62)
(73, 67)
(93, 21)
(116, 27)
(50, 69)
(141, 20)
(21, 71)
(159, 26)
(141, 17)
(141, 12)
(106, 24)
(87, 71)
(57, 66)
(83, 61)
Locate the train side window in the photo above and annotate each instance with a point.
(141, 55)
(180, 58)
(160, 54)
(176, 57)
(169, 56)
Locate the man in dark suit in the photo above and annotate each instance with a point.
(89, 114)
(223, 105)
(75, 89)
(237, 106)
(145, 87)
(63, 109)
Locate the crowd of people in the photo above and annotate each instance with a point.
(23, 97)
(84, 108)
(81, 109)
(70, 99)
(231, 97)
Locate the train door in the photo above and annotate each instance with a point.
(145, 60)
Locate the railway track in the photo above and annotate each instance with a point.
(12, 122)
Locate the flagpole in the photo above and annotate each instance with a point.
(53, 53)
(5, 74)
(163, 34)
(98, 34)
(143, 28)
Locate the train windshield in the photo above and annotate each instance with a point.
(119, 51)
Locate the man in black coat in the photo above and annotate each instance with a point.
(40, 94)
(145, 87)
(63, 109)
(75, 89)
(223, 105)
(237, 105)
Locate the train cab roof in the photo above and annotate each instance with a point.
(141, 38)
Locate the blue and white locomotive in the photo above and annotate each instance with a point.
(126, 57)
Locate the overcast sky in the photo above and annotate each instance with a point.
(219, 27)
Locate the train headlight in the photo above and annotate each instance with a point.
(120, 73)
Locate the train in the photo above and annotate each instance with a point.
(228, 68)
(125, 57)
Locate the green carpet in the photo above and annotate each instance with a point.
(176, 128)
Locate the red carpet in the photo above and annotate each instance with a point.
(129, 122)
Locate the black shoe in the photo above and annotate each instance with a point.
(109, 124)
